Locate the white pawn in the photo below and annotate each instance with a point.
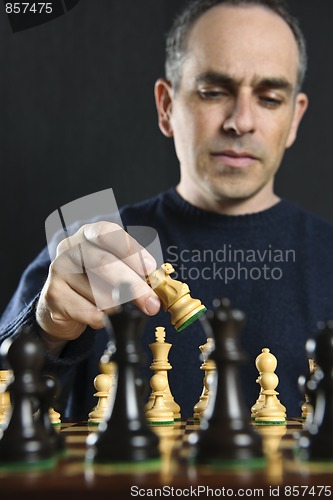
(306, 407)
(272, 411)
(55, 417)
(5, 403)
(100, 413)
(159, 413)
(208, 366)
(268, 362)
(265, 362)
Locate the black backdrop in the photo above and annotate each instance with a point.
(77, 115)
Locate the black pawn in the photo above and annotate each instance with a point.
(226, 436)
(126, 436)
(24, 440)
(316, 442)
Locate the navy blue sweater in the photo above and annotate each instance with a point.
(274, 265)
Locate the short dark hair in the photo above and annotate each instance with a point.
(179, 32)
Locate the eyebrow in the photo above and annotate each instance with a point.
(223, 79)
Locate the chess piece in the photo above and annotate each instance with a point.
(271, 364)
(102, 383)
(316, 441)
(307, 406)
(5, 405)
(160, 365)
(125, 436)
(175, 297)
(25, 440)
(208, 366)
(109, 368)
(226, 435)
(271, 412)
(45, 413)
(55, 417)
(159, 413)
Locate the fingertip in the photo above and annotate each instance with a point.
(152, 305)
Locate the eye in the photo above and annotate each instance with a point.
(212, 94)
(270, 102)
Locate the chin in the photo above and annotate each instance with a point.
(238, 195)
(237, 192)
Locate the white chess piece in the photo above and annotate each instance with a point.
(161, 365)
(159, 413)
(208, 366)
(102, 383)
(272, 411)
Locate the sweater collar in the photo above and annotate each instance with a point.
(176, 203)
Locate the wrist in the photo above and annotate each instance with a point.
(53, 345)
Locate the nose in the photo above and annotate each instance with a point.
(240, 116)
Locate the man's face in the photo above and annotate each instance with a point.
(236, 109)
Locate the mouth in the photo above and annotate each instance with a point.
(235, 159)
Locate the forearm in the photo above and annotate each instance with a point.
(60, 354)
(26, 316)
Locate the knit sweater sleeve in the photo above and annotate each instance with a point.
(21, 311)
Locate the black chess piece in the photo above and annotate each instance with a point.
(226, 436)
(24, 440)
(316, 442)
(125, 436)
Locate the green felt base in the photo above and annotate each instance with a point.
(28, 466)
(253, 463)
(125, 467)
(192, 319)
(274, 422)
(165, 422)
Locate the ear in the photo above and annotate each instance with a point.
(163, 100)
(301, 105)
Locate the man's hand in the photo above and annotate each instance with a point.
(87, 268)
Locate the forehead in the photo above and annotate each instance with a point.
(242, 41)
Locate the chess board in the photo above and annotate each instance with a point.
(173, 474)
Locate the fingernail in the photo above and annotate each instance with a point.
(152, 305)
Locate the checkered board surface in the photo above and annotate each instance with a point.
(72, 476)
(298, 472)
(76, 434)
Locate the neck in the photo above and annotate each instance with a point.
(262, 200)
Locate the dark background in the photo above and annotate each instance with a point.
(77, 116)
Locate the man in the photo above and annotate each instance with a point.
(232, 102)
